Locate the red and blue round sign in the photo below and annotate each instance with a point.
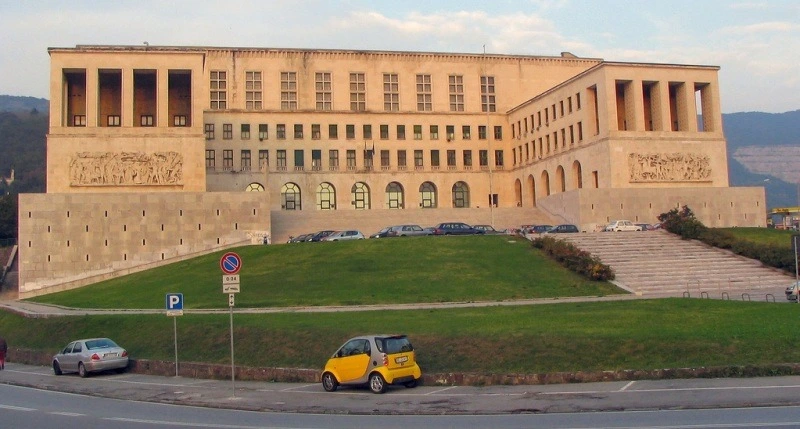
(230, 263)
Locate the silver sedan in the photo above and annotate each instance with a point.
(90, 355)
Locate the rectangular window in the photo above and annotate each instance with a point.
(333, 131)
(384, 158)
(401, 132)
(580, 131)
(466, 133)
(358, 92)
(280, 132)
(368, 159)
(281, 159)
(456, 93)
(435, 159)
(298, 131)
(316, 134)
(227, 159)
(391, 92)
(245, 131)
(467, 158)
(418, 162)
(209, 128)
(179, 120)
(227, 131)
(417, 132)
(561, 104)
(487, 94)
(450, 132)
(219, 90)
(451, 158)
(252, 90)
(481, 132)
(498, 158)
(367, 129)
(316, 160)
(263, 132)
(571, 135)
(498, 132)
(288, 90)
(424, 93)
(578, 101)
(401, 159)
(322, 83)
(299, 160)
(333, 159)
(569, 104)
(483, 156)
(350, 130)
(434, 132)
(245, 160)
(351, 159)
(210, 159)
(384, 132)
(146, 121)
(113, 120)
(263, 159)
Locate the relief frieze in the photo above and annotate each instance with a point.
(669, 167)
(126, 169)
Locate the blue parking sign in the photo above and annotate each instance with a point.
(174, 303)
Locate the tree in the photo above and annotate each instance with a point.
(8, 216)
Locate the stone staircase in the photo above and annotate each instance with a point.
(657, 263)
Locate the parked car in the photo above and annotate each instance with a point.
(349, 234)
(300, 238)
(488, 229)
(563, 229)
(407, 231)
(792, 290)
(319, 235)
(455, 228)
(622, 225)
(382, 233)
(645, 226)
(90, 355)
(373, 360)
(539, 229)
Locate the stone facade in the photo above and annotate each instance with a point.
(359, 139)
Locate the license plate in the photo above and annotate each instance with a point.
(110, 355)
(401, 359)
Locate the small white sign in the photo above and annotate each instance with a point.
(229, 279)
(230, 288)
(231, 299)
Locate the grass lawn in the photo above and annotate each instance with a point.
(642, 334)
(398, 270)
(771, 236)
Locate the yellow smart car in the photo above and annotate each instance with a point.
(374, 360)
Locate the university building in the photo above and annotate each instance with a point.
(158, 153)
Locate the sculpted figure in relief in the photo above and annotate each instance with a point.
(668, 167)
(125, 169)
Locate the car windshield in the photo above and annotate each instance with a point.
(103, 343)
(390, 345)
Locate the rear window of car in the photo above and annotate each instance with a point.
(100, 344)
(391, 345)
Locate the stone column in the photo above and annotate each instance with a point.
(92, 82)
(162, 98)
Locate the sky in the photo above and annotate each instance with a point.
(755, 42)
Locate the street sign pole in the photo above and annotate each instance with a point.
(175, 331)
(233, 367)
(795, 243)
(174, 304)
(231, 263)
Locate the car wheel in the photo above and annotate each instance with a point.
(411, 384)
(57, 368)
(82, 370)
(376, 383)
(329, 382)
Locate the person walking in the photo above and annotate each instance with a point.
(3, 350)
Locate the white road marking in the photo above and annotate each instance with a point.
(289, 389)
(11, 407)
(194, 425)
(624, 388)
(439, 391)
(68, 414)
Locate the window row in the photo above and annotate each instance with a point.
(543, 117)
(435, 159)
(360, 196)
(286, 88)
(298, 132)
(551, 143)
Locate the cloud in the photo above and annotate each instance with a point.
(760, 28)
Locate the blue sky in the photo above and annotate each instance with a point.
(755, 42)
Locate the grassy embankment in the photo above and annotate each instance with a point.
(641, 334)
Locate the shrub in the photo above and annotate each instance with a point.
(574, 259)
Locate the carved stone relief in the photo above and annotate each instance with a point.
(669, 167)
(125, 169)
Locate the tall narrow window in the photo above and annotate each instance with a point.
(281, 159)
(298, 131)
(316, 134)
(219, 93)
(466, 132)
(391, 92)
(401, 132)
(210, 159)
(263, 159)
(487, 94)
(456, 93)
(351, 159)
(209, 129)
(263, 131)
(417, 132)
(227, 159)
(252, 85)
(424, 93)
(280, 131)
(227, 131)
(481, 132)
(333, 131)
(246, 160)
(350, 131)
(333, 159)
(324, 91)
(358, 92)
(367, 128)
(245, 131)
(288, 91)
(384, 132)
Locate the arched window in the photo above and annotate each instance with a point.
(460, 195)
(326, 196)
(254, 187)
(427, 195)
(545, 183)
(360, 196)
(561, 179)
(518, 192)
(577, 174)
(532, 187)
(290, 197)
(394, 196)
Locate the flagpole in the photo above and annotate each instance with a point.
(488, 135)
